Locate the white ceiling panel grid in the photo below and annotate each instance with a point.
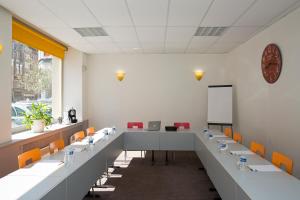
(238, 34)
(225, 12)
(122, 34)
(149, 12)
(187, 12)
(110, 12)
(180, 34)
(151, 26)
(33, 12)
(72, 12)
(151, 34)
(263, 11)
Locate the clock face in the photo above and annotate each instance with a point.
(271, 63)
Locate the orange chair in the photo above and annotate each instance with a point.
(228, 132)
(57, 145)
(31, 155)
(90, 131)
(77, 136)
(278, 159)
(258, 148)
(238, 137)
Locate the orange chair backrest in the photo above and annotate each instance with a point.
(57, 144)
(279, 160)
(258, 148)
(228, 132)
(238, 137)
(78, 136)
(90, 131)
(31, 155)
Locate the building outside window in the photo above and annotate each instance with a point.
(36, 77)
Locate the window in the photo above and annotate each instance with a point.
(36, 77)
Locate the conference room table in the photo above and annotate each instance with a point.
(50, 178)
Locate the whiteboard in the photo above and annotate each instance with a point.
(220, 104)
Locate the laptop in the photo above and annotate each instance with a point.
(153, 126)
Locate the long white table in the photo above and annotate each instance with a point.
(50, 179)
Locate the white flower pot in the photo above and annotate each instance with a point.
(38, 126)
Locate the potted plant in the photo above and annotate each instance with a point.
(38, 118)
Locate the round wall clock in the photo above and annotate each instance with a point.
(271, 63)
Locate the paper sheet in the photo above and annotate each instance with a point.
(264, 168)
(219, 136)
(227, 141)
(247, 152)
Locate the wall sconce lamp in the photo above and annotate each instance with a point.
(1, 48)
(198, 74)
(120, 75)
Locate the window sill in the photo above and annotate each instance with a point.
(26, 135)
(23, 135)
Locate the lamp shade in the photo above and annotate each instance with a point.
(1, 48)
(198, 74)
(120, 75)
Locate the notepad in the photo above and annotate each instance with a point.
(238, 153)
(226, 141)
(264, 168)
(219, 136)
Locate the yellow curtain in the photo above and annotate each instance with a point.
(33, 38)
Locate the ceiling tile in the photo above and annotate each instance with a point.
(149, 13)
(106, 47)
(175, 47)
(33, 12)
(187, 12)
(72, 12)
(203, 42)
(110, 12)
(99, 39)
(223, 47)
(238, 34)
(129, 45)
(151, 34)
(83, 46)
(67, 35)
(153, 45)
(180, 34)
(263, 11)
(225, 13)
(122, 34)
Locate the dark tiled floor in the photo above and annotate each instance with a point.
(180, 180)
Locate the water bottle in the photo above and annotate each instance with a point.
(242, 163)
(91, 142)
(66, 158)
(114, 129)
(222, 147)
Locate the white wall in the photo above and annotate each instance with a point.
(156, 87)
(268, 113)
(5, 75)
(73, 82)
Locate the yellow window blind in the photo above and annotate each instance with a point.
(33, 38)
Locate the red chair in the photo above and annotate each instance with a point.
(184, 125)
(135, 125)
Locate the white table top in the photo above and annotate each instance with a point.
(36, 180)
(257, 185)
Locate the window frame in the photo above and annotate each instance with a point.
(22, 128)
